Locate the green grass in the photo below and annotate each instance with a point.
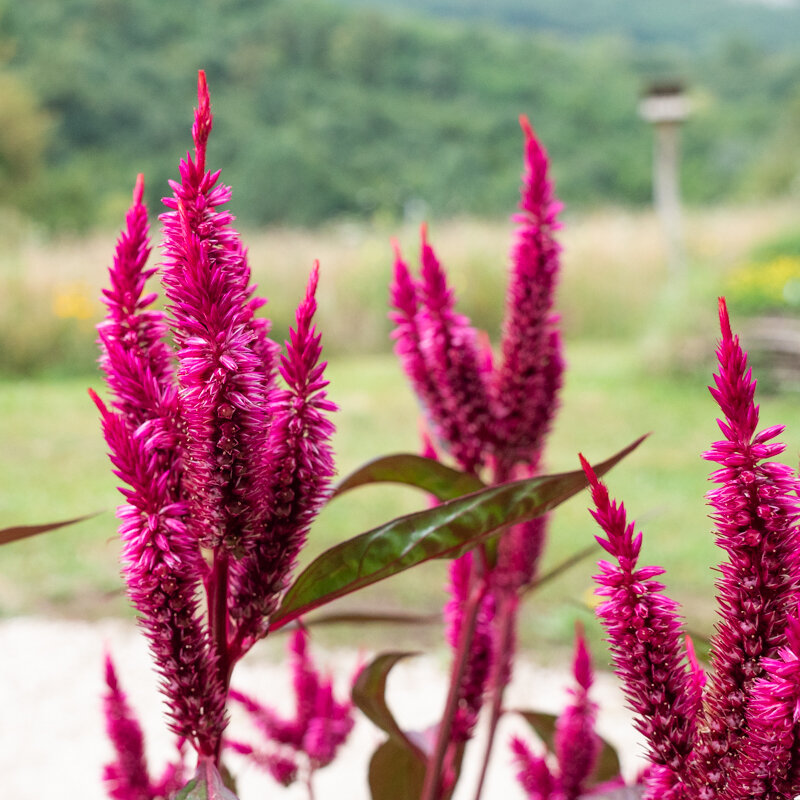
(53, 466)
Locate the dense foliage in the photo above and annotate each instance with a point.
(336, 111)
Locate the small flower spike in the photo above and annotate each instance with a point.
(298, 478)
(225, 361)
(528, 379)
(577, 745)
(644, 633)
(756, 513)
(533, 774)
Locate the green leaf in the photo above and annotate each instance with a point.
(543, 724)
(427, 474)
(18, 532)
(395, 773)
(369, 694)
(207, 784)
(449, 530)
(607, 766)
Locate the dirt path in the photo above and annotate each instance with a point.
(52, 742)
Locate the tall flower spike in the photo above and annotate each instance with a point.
(527, 382)
(162, 566)
(136, 361)
(756, 513)
(297, 484)
(413, 345)
(454, 361)
(577, 745)
(225, 361)
(126, 778)
(644, 634)
(479, 660)
(770, 762)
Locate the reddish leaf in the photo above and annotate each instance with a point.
(427, 474)
(395, 773)
(207, 784)
(18, 532)
(449, 529)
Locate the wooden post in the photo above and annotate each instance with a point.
(665, 107)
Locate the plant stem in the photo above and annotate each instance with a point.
(218, 623)
(507, 613)
(433, 776)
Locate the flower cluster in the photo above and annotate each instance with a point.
(734, 734)
(491, 419)
(224, 468)
(311, 738)
(576, 744)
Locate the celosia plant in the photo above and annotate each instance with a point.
(492, 420)
(734, 734)
(223, 446)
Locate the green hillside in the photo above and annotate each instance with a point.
(326, 111)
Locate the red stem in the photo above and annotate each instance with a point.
(218, 623)
(433, 774)
(507, 612)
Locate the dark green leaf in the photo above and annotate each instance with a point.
(395, 773)
(607, 766)
(369, 694)
(544, 725)
(450, 529)
(427, 474)
(207, 784)
(24, 531)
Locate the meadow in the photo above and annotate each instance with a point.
(639, 349)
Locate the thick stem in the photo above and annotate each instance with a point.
(218, 623)
(433, 774)
(507, 615)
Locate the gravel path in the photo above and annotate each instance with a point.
(51, 727)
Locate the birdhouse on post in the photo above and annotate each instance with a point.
(665, 106)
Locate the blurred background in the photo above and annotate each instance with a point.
(342, 123)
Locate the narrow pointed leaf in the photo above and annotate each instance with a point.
(18, 532)
(371, 618)
(427, 474)
(449, 529)
(395, 774)
(369, 694)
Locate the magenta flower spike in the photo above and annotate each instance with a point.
(162, 566)
(134, 357)
(770, 761)
(644, 633)
(126, 778)
(577, 745)
(225, 364)
(756, 512)
(298, 478)
(479, 658)
(529, 377)
(533, 774)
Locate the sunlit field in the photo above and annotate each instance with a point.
(639, 347)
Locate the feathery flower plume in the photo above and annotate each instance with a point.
(479, 659)
(577, 745)
(162, 567)
(644, 634)
(528, 380)
(770, 760)
(225, 365)
(297, 482)
(756, 513)
(533, 774)
(127, 778)
(320, 725)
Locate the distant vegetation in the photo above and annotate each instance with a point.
(327, 111)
